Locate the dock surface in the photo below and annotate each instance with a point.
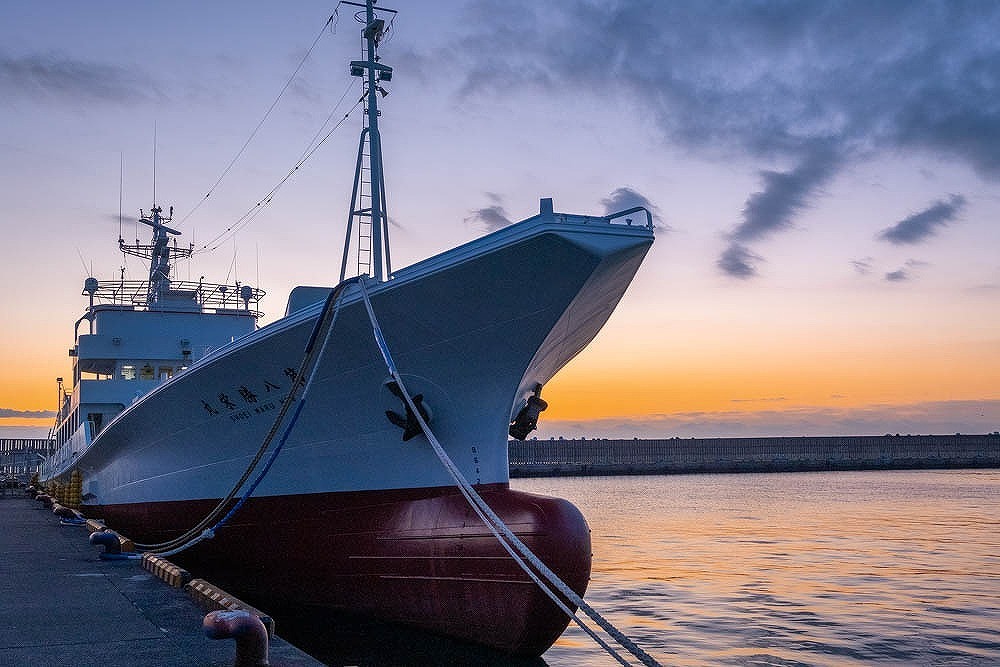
(62, 605)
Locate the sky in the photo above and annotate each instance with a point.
(824, 177)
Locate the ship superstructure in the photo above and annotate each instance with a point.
(137, 334)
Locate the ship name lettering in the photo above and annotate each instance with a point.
(264, 407)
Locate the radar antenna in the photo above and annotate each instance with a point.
(158, 251)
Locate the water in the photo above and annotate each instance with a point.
(842, 568)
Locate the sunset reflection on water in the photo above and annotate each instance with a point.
(834, 568)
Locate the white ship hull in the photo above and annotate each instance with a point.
(473, 331)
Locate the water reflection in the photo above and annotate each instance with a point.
(350, 640)
(807, 568)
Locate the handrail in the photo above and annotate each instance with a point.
(134, 293)
(634, 209)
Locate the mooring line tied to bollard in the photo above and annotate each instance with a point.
(68, 516)
(112, 544)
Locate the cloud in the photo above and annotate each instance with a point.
(761, 81)
(767, 79)
(906, 273)
(863, 266)
(897, 276)
(8, 413)
(773, 209)
(783, 196)
(48, 76)
(737, 261)
(624, 198)
(922, 225)
(493, 217)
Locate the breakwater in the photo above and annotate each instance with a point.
(554, 458)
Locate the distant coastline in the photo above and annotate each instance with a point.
(602, 456)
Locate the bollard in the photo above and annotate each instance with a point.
(112, 545)
(248, 631)
(68, 516)
(44, 499)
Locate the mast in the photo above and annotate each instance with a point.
(158, 251)
(368, 213)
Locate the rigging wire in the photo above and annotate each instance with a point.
(259, 124)
(254, 210)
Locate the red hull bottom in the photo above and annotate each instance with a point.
(416, 556)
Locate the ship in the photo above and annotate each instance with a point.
(290, 464)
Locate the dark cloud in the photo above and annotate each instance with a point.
(8, 413)
(737, 261)
(783, 196)
(774, 208)
(897, 276)
(768, 78)
(52, 76)
(767, 81)
(493, 217)
(624, 198)
(921, 225)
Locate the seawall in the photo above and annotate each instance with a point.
(554, 458)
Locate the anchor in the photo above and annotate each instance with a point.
(526, 420)
(409, 423)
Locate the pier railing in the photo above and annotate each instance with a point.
(19, 457)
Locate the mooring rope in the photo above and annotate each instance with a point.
(303, 379)
(497, 526)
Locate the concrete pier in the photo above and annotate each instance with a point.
(62, 605)
(600, 456)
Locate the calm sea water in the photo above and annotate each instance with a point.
(842, 568)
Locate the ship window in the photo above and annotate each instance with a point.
(128, 372)
(166, 372)
(146, 373)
